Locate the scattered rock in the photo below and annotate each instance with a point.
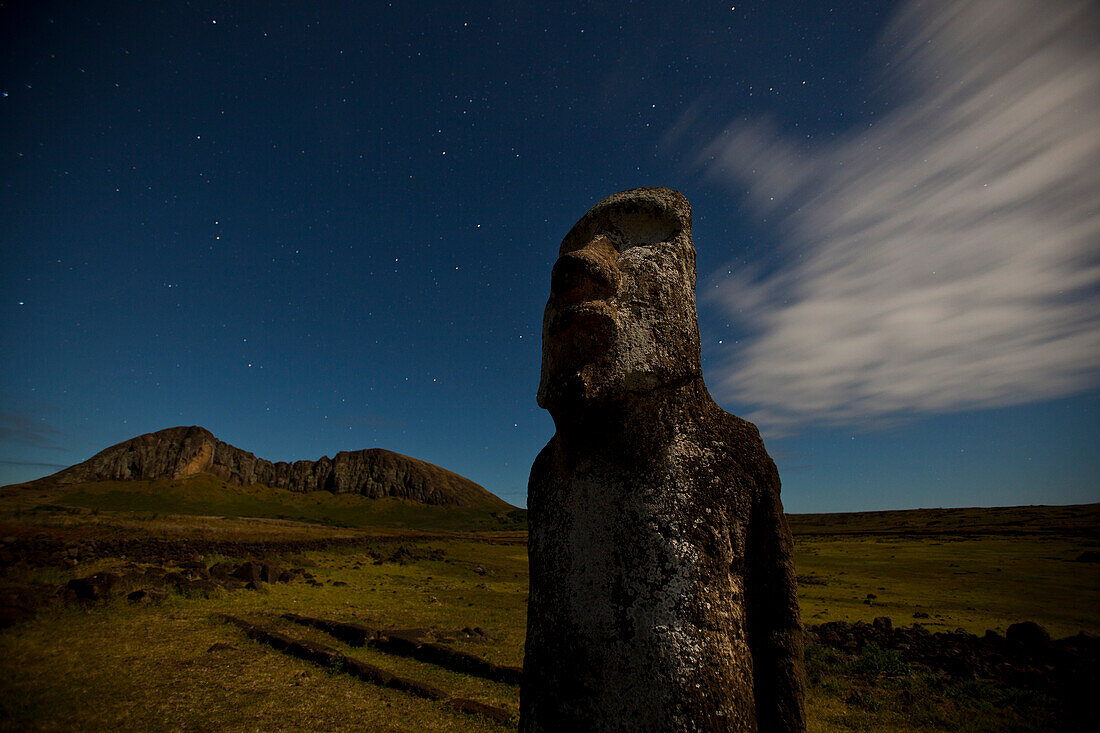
(44, 550)
(269, 573)
(222, 570)
(98, 587)
(1028, 633)
(143, 596)
(250, 572)
(1027, 658)
(148, 585)
(154, 575)
(199, 573)
(194, 562)
(175, 579)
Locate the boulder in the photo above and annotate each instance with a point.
(269, 572)
(249, 572)
(222, 570)
(1028, 634)
(98, 587)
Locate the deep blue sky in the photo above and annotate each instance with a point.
(313, 227)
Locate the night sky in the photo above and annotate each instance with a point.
(313, 227)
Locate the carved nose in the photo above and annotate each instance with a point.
(588, 273)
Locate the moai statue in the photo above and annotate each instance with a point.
(662, 586)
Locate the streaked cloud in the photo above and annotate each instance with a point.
(19, 429)
(946, 258)
(33, 464)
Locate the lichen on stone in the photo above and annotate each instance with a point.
(662, 586)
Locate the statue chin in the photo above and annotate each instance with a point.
(570, 392)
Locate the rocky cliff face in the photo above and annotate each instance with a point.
(184, 451)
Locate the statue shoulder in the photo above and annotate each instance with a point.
(738, 433)
(742, 443)
(546, 459)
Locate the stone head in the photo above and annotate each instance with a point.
(621, 317)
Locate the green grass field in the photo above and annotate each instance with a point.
(975, 583)
(205, 495)
(176, 666)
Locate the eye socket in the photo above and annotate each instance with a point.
(626, 224)
(641, 227)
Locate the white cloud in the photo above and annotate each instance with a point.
(947, 258)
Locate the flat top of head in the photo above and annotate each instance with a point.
(645, 213)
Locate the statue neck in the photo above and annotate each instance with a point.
(636, 424)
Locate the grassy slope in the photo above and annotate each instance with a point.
(973, 583)
(206, 495)
(976, 569)
(150, 668)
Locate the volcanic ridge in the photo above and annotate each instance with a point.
(180, 452)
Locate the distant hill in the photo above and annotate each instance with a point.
(182, 452)
(1080, 519)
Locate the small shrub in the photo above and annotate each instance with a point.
(822, 662)
(866, 699)
(874, 661)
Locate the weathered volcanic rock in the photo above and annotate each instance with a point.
(185, 451)
(662, 585)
